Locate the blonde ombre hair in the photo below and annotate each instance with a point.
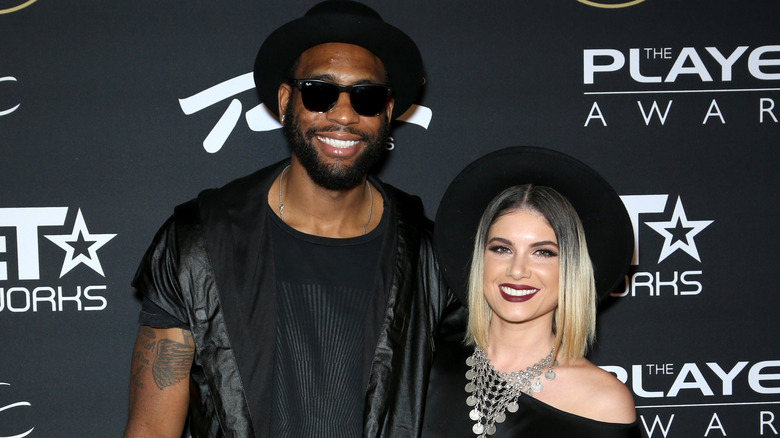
(574, 323)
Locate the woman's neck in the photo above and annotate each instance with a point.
(513, 347)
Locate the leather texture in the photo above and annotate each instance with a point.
(210, 264)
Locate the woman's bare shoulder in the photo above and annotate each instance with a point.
(588, 391)
(604, 396)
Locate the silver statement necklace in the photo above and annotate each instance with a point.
(492, 393)
(368, 187)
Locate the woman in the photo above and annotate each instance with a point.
(532, 295)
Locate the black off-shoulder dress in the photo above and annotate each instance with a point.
(447, 415)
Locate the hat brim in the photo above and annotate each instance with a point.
(398, 53)
(604, 218)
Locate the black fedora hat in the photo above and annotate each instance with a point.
(340, 21)
(604, 218)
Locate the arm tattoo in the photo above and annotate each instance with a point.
(144, 346)
(168, 360)
(173, 361)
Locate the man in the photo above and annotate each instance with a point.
(300, 300)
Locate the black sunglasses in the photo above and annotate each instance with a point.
(320, 96)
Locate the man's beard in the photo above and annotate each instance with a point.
(337, 177)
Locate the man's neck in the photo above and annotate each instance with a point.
(313, 209)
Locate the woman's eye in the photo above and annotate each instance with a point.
(499, 249)
(546, 252)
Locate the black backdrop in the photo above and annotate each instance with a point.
(675, 103)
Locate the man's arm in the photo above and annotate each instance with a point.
(159, 383)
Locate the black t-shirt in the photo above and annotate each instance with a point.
(324, 294)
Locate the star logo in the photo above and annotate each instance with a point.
(678, 233)
(80, 246)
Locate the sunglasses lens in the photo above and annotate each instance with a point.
(318, 96)
(368, 100)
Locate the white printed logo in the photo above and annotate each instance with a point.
(258, 118)
(679, 234)
(9, 407)
(689, 61)
(80, 238)
(655, 71)
(80, 245)
(9, 110)
(17, 293)
(664, 390)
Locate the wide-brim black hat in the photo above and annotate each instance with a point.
(340, 21)
(604, 218)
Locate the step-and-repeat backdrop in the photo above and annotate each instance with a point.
(112, 112)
